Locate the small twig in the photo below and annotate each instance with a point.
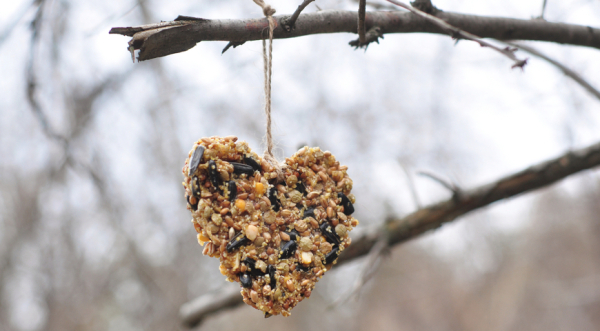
(373, 35)
(411, 186)
(362, 38)
(444, 182)
(233, 44)
(543, 10)
(288, 24)
(570, 73)
(457, 34)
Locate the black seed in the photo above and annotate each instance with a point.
(348, 207)
(267, 314)
(196, 187)
(302, 268)
(237, 242)
(332, 256)
(196, 158)
(240, 168)
(328, 233)
(275, 204)
(213, 173)
(271, 271)
(288, 249)
(246, 280)
(250, 161)
(309, 212)
(251, 264)
(300, 187)
(194, 207)
(232, 188)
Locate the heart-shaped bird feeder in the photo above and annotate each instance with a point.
(277, 239)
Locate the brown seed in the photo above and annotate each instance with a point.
(335, 222)
(281, 189)
(266, 290)
(307, 293)
(266, 201)
(224, 211)
(290, 285)
(300, 226)
(341, 230)
(267, 236)
(270, 250)
(323, 176)
(304, 282)
(305, 233)
(291, 180)
(286, 213)
(229, 220)
(253, 296)
(251, 232)
(313, 194)
(330, 213)
(284, 236)
(259, 241)
(313, 222)
(243, 196)
(225, 203)
(224, 175)
(332, 203)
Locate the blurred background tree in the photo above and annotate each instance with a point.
(94, 233)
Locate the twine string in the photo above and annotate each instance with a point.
(269, 11)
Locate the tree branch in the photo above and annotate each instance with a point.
(457, 34)
(289, 23)
(362, 4)
(165, 38)
(434, 216)
(568, 72)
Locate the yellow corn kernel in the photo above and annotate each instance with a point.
(241, 205)
(259, 188)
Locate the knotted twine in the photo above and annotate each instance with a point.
(268, 64)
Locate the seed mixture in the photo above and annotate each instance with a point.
(276, 239)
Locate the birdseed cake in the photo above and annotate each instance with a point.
(277, 239)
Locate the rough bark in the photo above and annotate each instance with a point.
(165, 38)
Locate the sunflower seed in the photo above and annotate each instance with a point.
(250, 161)
(195, 161)
(275, 204)
(237, 242)
(348, 207)
(332, 256)
(246, 280)
(328, 233)
(288, 249)
(213, 173)
(232, 188)
(271, 270)
(240, 168)
(309, 212)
